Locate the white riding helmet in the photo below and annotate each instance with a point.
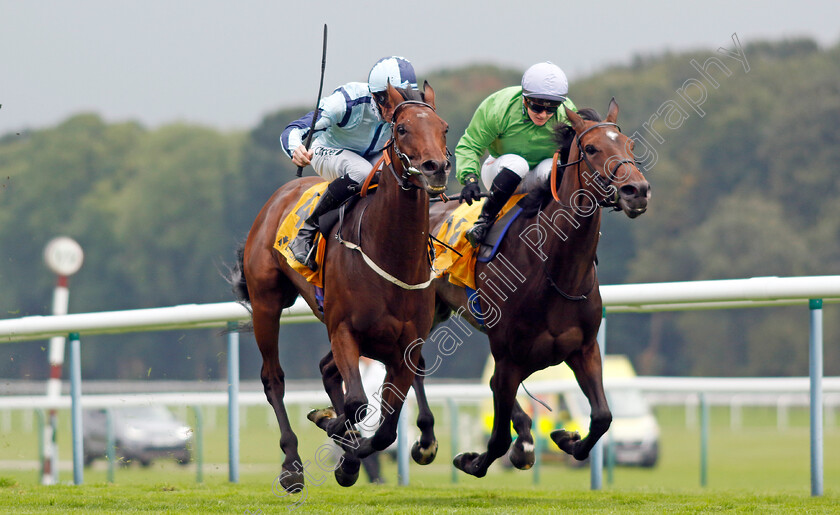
(545, 81)
(396, 70)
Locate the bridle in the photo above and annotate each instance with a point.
(409, 170)
(605, 183)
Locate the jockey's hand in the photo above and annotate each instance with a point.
(471, 191)
(301, 156)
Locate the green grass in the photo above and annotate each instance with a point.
(756, 468)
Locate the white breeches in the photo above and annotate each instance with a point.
(332, 163)
(518, 165)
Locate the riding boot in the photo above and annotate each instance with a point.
(501, 190)
(336, 193)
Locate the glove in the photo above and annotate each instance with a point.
(471, 191)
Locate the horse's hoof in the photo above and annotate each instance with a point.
(318, 415)
(566, 440)
(462, 461)
(522, 455)
(424, 456)
(465, 462)
(348, 473)
(290, 480)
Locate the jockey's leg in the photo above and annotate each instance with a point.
(337, 192)
(345, 169)
(503, 186)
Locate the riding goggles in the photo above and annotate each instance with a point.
(539, 108)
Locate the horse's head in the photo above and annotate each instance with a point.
(615, 179)
(420, 156)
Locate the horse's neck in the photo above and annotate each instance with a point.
(396, 228)
(572, 228)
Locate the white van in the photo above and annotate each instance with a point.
(633, 436)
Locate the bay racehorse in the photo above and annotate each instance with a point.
(377, 298)
(543, 307)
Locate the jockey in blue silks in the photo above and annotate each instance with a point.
(351, 131)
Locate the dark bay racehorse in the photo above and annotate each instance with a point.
(543, 307)
(370, 313)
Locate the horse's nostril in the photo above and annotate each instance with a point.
(635, 190)
(432, 166)
(628, 191)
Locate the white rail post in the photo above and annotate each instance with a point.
(76, 408)
(816, 373)
(233, 402)
(402, 447)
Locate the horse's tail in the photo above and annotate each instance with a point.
(236, 276)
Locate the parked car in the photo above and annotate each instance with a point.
(141, 434)
(633, 434)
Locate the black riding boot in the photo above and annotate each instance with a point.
(336, 193)
(502, 188)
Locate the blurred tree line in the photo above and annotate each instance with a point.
(747, 189)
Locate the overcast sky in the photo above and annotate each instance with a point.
(227, 64)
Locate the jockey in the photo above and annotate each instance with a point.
(515, 125)
(351, 131)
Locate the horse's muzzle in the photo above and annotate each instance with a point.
(633, 198)
(435, 176)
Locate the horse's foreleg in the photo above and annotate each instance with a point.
(504, 383)
(266, 326)
(425, 448)
(392, 395)
(522, 453)
(586, 364)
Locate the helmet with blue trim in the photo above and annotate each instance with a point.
(396, 70)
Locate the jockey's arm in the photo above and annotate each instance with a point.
(480, 133)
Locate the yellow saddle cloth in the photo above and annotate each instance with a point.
(461, 268)
(289, 228)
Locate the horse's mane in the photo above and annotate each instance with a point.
(564, 135)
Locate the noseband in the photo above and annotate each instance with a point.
(603, 182)
(409, 170)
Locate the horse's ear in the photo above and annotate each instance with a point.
(612, 115)
(394, 97)
(575, 119)
(428, 94)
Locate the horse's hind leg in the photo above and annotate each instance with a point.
(522, 452)
(586, 364)
(266, 318)
(425, 448)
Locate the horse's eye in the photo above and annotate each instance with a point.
(590, 150)
(401, 130)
